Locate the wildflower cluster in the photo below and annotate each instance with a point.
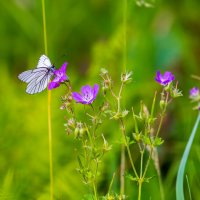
(86, 130)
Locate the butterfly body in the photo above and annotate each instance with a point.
(38, 78)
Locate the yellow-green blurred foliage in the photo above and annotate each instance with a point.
(89, 35)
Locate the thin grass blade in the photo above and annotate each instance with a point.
(179, 180)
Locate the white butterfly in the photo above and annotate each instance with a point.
(38, 78)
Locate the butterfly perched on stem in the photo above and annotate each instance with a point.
(38, 78)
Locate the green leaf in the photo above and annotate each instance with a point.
(148, 179)
(179, 180)
(158, 141)
(146, 140)
(130, 177)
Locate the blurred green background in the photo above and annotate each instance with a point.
(89, 33)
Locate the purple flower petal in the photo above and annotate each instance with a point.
(158, 74)
(77, 97)
(95, 90)
(60, 77)
(86, 88)
(53, 85)
(165, 79)
(87, 95)
(194, 92)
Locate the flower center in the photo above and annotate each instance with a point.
(87, 96)
(163, 78)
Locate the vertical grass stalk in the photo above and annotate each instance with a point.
(49, 106)
(44, 27)
(124, 34)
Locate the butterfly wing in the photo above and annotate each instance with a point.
(44, 62)
(38, 78)
(26, 76)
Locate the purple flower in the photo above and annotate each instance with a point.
(165, 79)
(59, 77)
(194, 92)
(87, 94)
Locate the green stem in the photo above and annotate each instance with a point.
(89, 136)
(160, 124)
(162, 115)
(124, 34)
(123, 157)
(128, 149)
(97, 165)
(95, 191)
(153, 104)
(140, 180)
(49, 106)
(135, 122)
(141, 162)
(139, 189)
(119, 97)
(94, 181)
(122, 170)
(148, 161)
(111, 183)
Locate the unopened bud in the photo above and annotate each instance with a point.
(82, 131)
(76, 132)
(104, 71)
(162, 104)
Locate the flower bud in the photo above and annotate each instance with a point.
(144, 113)
(104, 71)
(162, 104)
(126, 77)
(107, 83)
(70, 98)
(76, 131)
(137, 137)
(82, 131)
(71, 122)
